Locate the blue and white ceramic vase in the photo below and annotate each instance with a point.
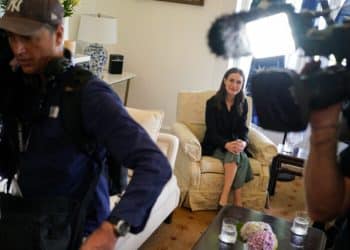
(98, 58)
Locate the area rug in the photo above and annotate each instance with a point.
(187, 226)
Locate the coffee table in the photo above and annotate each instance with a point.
(316, 239)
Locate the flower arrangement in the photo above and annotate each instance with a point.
(258, 236)
(68, 6)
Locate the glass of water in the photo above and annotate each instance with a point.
(300, 223)
(228, 230)
(299, 228)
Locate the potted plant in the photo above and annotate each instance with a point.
(68, 6)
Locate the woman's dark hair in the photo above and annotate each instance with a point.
(221, 93)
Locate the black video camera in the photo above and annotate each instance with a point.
(283, 99)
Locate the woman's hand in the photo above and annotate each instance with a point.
(240, 145)
(236, 146)
(230, 147)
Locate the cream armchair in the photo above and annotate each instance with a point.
(201, 178)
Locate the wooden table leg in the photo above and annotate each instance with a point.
(126, 92)
(273, 175)
(267, 201)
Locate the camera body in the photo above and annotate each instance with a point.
(284, 99)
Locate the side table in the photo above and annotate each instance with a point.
(295, 158)
(118, 78)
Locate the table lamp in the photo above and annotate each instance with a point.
(97, 29)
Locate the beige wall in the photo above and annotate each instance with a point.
(165, 45)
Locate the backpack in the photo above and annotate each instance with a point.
(72, 123)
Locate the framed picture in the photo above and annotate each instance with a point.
(193, 2)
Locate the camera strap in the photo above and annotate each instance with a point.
(23, 141)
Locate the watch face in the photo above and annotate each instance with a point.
(122, 228)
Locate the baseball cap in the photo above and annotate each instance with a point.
(24, 17)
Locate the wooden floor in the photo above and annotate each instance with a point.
(188, 226)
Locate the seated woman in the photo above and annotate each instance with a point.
(226, 134)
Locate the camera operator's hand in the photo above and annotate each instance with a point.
(326, 201)
(326, 118)
(323, 119)
(322, 166)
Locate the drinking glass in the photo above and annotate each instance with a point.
(299, 228)
(228, 230)
(292, 140)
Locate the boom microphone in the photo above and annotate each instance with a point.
(227, 37)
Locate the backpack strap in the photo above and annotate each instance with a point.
(82, 213)
(72, 115)
(75, 80)
(73, 126)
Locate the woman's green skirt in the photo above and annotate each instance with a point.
(244, 172)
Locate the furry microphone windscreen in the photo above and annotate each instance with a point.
(227, 37)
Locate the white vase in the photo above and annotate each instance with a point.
(66, 28)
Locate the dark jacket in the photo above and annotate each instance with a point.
(223, 125)
(53, 166)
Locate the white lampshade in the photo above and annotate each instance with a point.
(96, 28)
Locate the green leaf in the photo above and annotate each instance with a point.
(3, 4)
(239, 226)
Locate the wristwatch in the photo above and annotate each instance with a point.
(120, 227)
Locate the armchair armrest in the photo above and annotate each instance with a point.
(169, 144)
(260, 146)
(188, 141)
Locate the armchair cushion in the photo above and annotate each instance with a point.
(193, 118)
(261, 147)
(211, 165)
(150, 120)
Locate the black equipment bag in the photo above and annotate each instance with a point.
(37, 224)
(73, 125)
(48, 223)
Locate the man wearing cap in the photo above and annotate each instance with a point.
(51, 166)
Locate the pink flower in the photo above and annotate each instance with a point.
(262, 240)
